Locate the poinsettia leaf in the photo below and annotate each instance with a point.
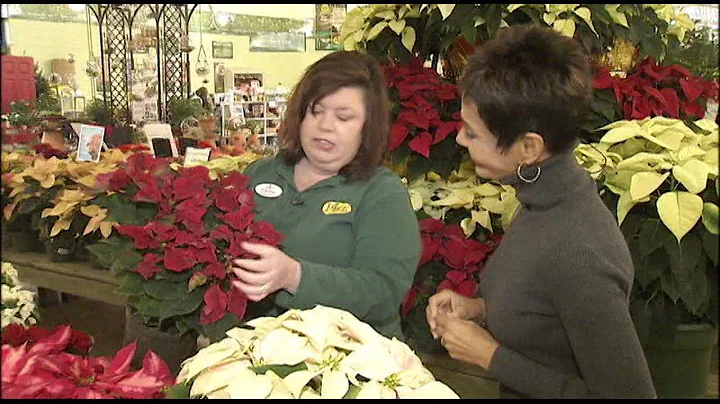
(421, 144)
(132, 285)
(179, 391)
(128, 260)
(692, 92)
(183, 306)
(120, 363)
(165, 290)
(216, 331)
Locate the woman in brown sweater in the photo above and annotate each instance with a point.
(553, 318)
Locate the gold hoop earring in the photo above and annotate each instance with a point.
(537, 175)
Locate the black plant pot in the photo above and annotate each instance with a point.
(25, 241)
(172, 348)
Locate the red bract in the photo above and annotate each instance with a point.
(149, 266)
(654, 90)
(462, 259)
(216, 303)
(429, 104)
(48, 151)
(140, 236)
(177, 259)
(41, 369)
(237, 303)
(199, 228)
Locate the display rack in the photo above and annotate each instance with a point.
(263, 116)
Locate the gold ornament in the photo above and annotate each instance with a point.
(620, 58)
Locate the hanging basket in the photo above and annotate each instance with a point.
(172, 348)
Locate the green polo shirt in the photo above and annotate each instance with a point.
(358, 243)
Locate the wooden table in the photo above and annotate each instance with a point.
(77, 278)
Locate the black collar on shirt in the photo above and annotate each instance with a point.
(560, 177)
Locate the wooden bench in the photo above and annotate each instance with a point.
(76, 278)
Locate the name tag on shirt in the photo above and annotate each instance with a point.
(336, 208)
(268, 190)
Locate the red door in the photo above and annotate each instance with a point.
(17, 80)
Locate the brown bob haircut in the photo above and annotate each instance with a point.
(329, 74)
(530, 79)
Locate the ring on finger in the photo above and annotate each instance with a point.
(262, 289)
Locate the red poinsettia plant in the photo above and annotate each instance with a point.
(176, 261)
(426, 115)
(48, 151)
(40, 363)
(655, 90)
(454, 261)
(449, 260)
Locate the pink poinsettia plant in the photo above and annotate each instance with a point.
(176, 260)
(655, 90)
(449, 260)
(426, 107)
(42, 365)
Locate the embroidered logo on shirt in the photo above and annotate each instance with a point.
(336, 208)
(268, 190)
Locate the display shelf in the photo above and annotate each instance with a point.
(76, 278)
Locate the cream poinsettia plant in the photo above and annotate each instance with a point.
(318, 353)
(643, 155)
(660, 177)
(18, 304)
(463, 189)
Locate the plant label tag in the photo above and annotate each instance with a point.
(195, 156)
(268, 190)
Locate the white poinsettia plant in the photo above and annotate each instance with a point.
(18, 304)
(639, 157)
(319, 353)
(661, 177)
(484, 202)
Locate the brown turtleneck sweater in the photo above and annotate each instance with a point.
(557, 292)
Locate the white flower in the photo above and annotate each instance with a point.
(9, 274)
(334, 347)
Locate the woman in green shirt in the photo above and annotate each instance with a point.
(351, 238)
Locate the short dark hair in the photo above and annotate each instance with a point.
(329, 74)
(530, 79)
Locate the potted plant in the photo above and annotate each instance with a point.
(180, 110)
(318, 353)
(174, 263)
(660, 178)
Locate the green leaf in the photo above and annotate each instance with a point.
(710, 243)
(679, 211)
(280, 370)
(352, 392)
(697, 292)
(408, 38)
(513, 7)
(132, 285)
(104, 254)
(178, 391)
(469, 32)
(387, 15)
(685, 256)
(653, 235)
(711, 217)
(651, 267)
(216, 331)
(186, 305)
(165, 290)
(127, 260)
